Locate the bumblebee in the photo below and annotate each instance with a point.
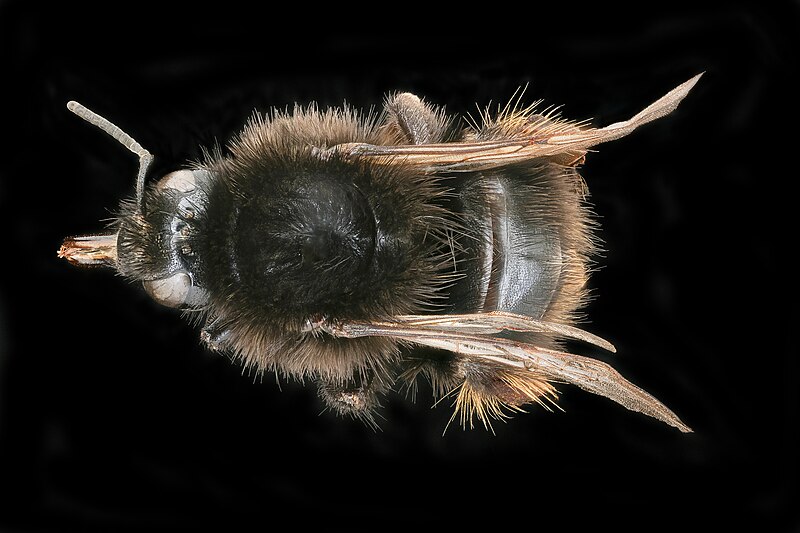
(365, 252)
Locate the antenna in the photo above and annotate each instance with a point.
(145, 157)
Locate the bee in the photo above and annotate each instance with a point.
(364, 252)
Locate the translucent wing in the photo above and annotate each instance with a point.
(546, 139)
(497, 321)
(471, 336)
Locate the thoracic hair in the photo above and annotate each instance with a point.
(287, 235)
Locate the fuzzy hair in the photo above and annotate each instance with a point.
(285, 236)
(548, 194)
(551, 194)
(403, 276)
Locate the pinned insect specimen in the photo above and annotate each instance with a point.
(365, 252)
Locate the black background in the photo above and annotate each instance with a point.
(113, 418)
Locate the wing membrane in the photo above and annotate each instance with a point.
(589, 374)
(535, 143)
(497, 321)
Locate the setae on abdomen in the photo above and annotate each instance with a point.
(330, 246)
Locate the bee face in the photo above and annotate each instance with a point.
(154, 239)
(324, 244)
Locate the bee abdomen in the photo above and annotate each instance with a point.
(528, 244)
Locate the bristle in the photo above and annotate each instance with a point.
(358, 400)
(514, 120)
(261, 188)
(491, 393)
(314, 221)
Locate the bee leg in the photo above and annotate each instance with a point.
(357, 397)
(481, 390)
(215, 334)
(440, 368)
(493, 392)
(411, 121)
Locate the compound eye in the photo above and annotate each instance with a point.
(172, 291)
(180, 180)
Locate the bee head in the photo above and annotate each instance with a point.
(149, 241)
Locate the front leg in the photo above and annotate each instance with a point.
(215, 334)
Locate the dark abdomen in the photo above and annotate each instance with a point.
(525, 242)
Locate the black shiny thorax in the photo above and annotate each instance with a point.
(293, 235)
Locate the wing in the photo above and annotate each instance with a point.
(472, 336)
(545, 138)
(497, 321)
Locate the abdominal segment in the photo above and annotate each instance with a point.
(526, 243)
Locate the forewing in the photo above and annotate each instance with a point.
(547, 140)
